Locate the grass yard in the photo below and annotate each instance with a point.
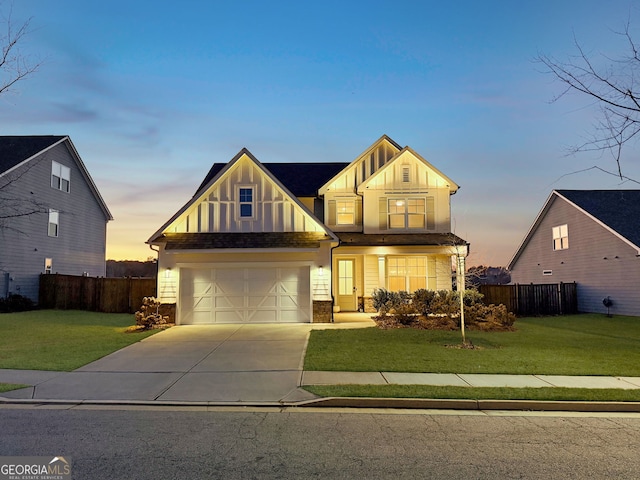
(62, 340)
(477, 393)
(587, 344)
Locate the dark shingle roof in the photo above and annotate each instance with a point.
(391, 239)
(618, 209)
(16, 149)
(302, 179)
(204, 241)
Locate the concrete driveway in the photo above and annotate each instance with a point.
(208, 363)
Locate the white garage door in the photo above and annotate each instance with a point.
(245, 295)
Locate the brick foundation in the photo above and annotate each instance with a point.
(322, 311)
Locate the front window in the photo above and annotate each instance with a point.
(407, 213)
(561, 237)
(346, 212)
(60, 177)
(54, 218)
(407, 273)
(245, 196)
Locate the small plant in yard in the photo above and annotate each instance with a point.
(16, 303)
(148, 316)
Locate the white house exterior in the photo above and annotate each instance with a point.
(251, 246)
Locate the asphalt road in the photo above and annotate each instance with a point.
(243, 443)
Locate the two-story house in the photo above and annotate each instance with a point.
(52, 217)
(591, 237)
(287, 242)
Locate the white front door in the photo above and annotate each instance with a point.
(245, 295)
(347, 292)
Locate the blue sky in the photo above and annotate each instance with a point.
(153, 92)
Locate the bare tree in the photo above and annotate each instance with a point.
(14, 64)
(614, 90)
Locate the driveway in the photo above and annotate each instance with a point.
(207, 363)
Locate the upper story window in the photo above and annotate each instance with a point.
(345, 212)
(407, 213)
(54, 219)
(60, 177)
(245, 202)
(560, 237)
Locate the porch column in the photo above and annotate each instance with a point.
(381, 272)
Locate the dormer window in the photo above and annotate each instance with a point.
(245, 202)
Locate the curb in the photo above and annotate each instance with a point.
(453, 404)
(363, 402)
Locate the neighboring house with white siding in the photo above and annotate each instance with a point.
(591, 237)
(289, 242)
(52, 217)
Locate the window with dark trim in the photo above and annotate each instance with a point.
(245, 196)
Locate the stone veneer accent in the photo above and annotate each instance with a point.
(368, 305)
(322, 311)
(169, 310)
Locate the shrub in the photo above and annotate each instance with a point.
(489, 317)
(423, 300)
(148, 316)
(16, 303)
(384, 300)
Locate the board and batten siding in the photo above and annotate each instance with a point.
(81, 242)
(217, 209)
(597, 260)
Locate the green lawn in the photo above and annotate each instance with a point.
(62, 340)
(588, 344)
(473, 393)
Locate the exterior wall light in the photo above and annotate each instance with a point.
(320, 271)
(167, 273)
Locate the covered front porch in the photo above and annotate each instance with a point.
(359, 270)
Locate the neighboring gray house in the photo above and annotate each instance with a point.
(591, 237)
(52, 217)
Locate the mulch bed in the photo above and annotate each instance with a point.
(439, 323)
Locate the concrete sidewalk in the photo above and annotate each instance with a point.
(467, 380)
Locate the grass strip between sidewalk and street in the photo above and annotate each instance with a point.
(477, 393)
(586, 344)
(62, 340)
(6, 387)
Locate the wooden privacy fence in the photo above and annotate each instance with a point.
(97, 294)
(533, 299)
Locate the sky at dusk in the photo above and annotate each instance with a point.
(154, 92)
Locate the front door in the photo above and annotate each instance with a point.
(347, 292)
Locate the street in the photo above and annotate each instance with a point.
(245, 443)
